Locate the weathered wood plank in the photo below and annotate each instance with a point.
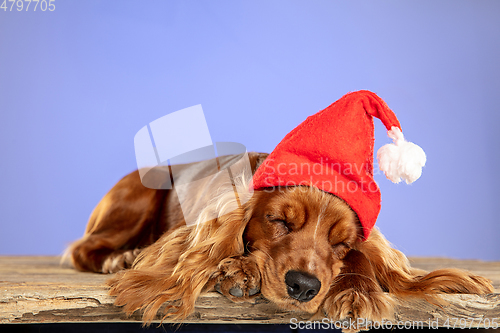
(38, 290)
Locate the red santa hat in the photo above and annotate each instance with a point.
(332, 150)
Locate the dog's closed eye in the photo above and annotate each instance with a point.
(340, 250)
(279, 223)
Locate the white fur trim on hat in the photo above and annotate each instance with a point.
(401, 159)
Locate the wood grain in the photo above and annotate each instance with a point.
(39, 290)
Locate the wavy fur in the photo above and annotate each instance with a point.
(251, 248)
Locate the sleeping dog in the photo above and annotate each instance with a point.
(296, 242)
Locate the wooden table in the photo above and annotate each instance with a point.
(39, 290)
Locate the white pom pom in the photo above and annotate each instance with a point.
(401, 159)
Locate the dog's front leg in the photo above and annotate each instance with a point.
(356, 295)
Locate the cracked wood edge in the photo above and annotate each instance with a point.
(214, 308)
(38, 290)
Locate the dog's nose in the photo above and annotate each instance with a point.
(302, 286)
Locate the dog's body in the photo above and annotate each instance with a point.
(300, 247)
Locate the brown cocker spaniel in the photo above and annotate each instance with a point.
(298, 247)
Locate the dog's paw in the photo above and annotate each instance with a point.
(117, 261)
(238, 279)
(358, 307)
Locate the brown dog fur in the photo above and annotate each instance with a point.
(251, 248)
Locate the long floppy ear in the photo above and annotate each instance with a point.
(178, 266)
(395, 275)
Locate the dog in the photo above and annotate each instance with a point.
(297, 246)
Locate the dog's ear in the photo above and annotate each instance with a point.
(177, 268)
(180, 265)
(395, 275)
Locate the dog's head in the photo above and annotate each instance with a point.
(300, 236)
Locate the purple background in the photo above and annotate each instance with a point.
(76, 85)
